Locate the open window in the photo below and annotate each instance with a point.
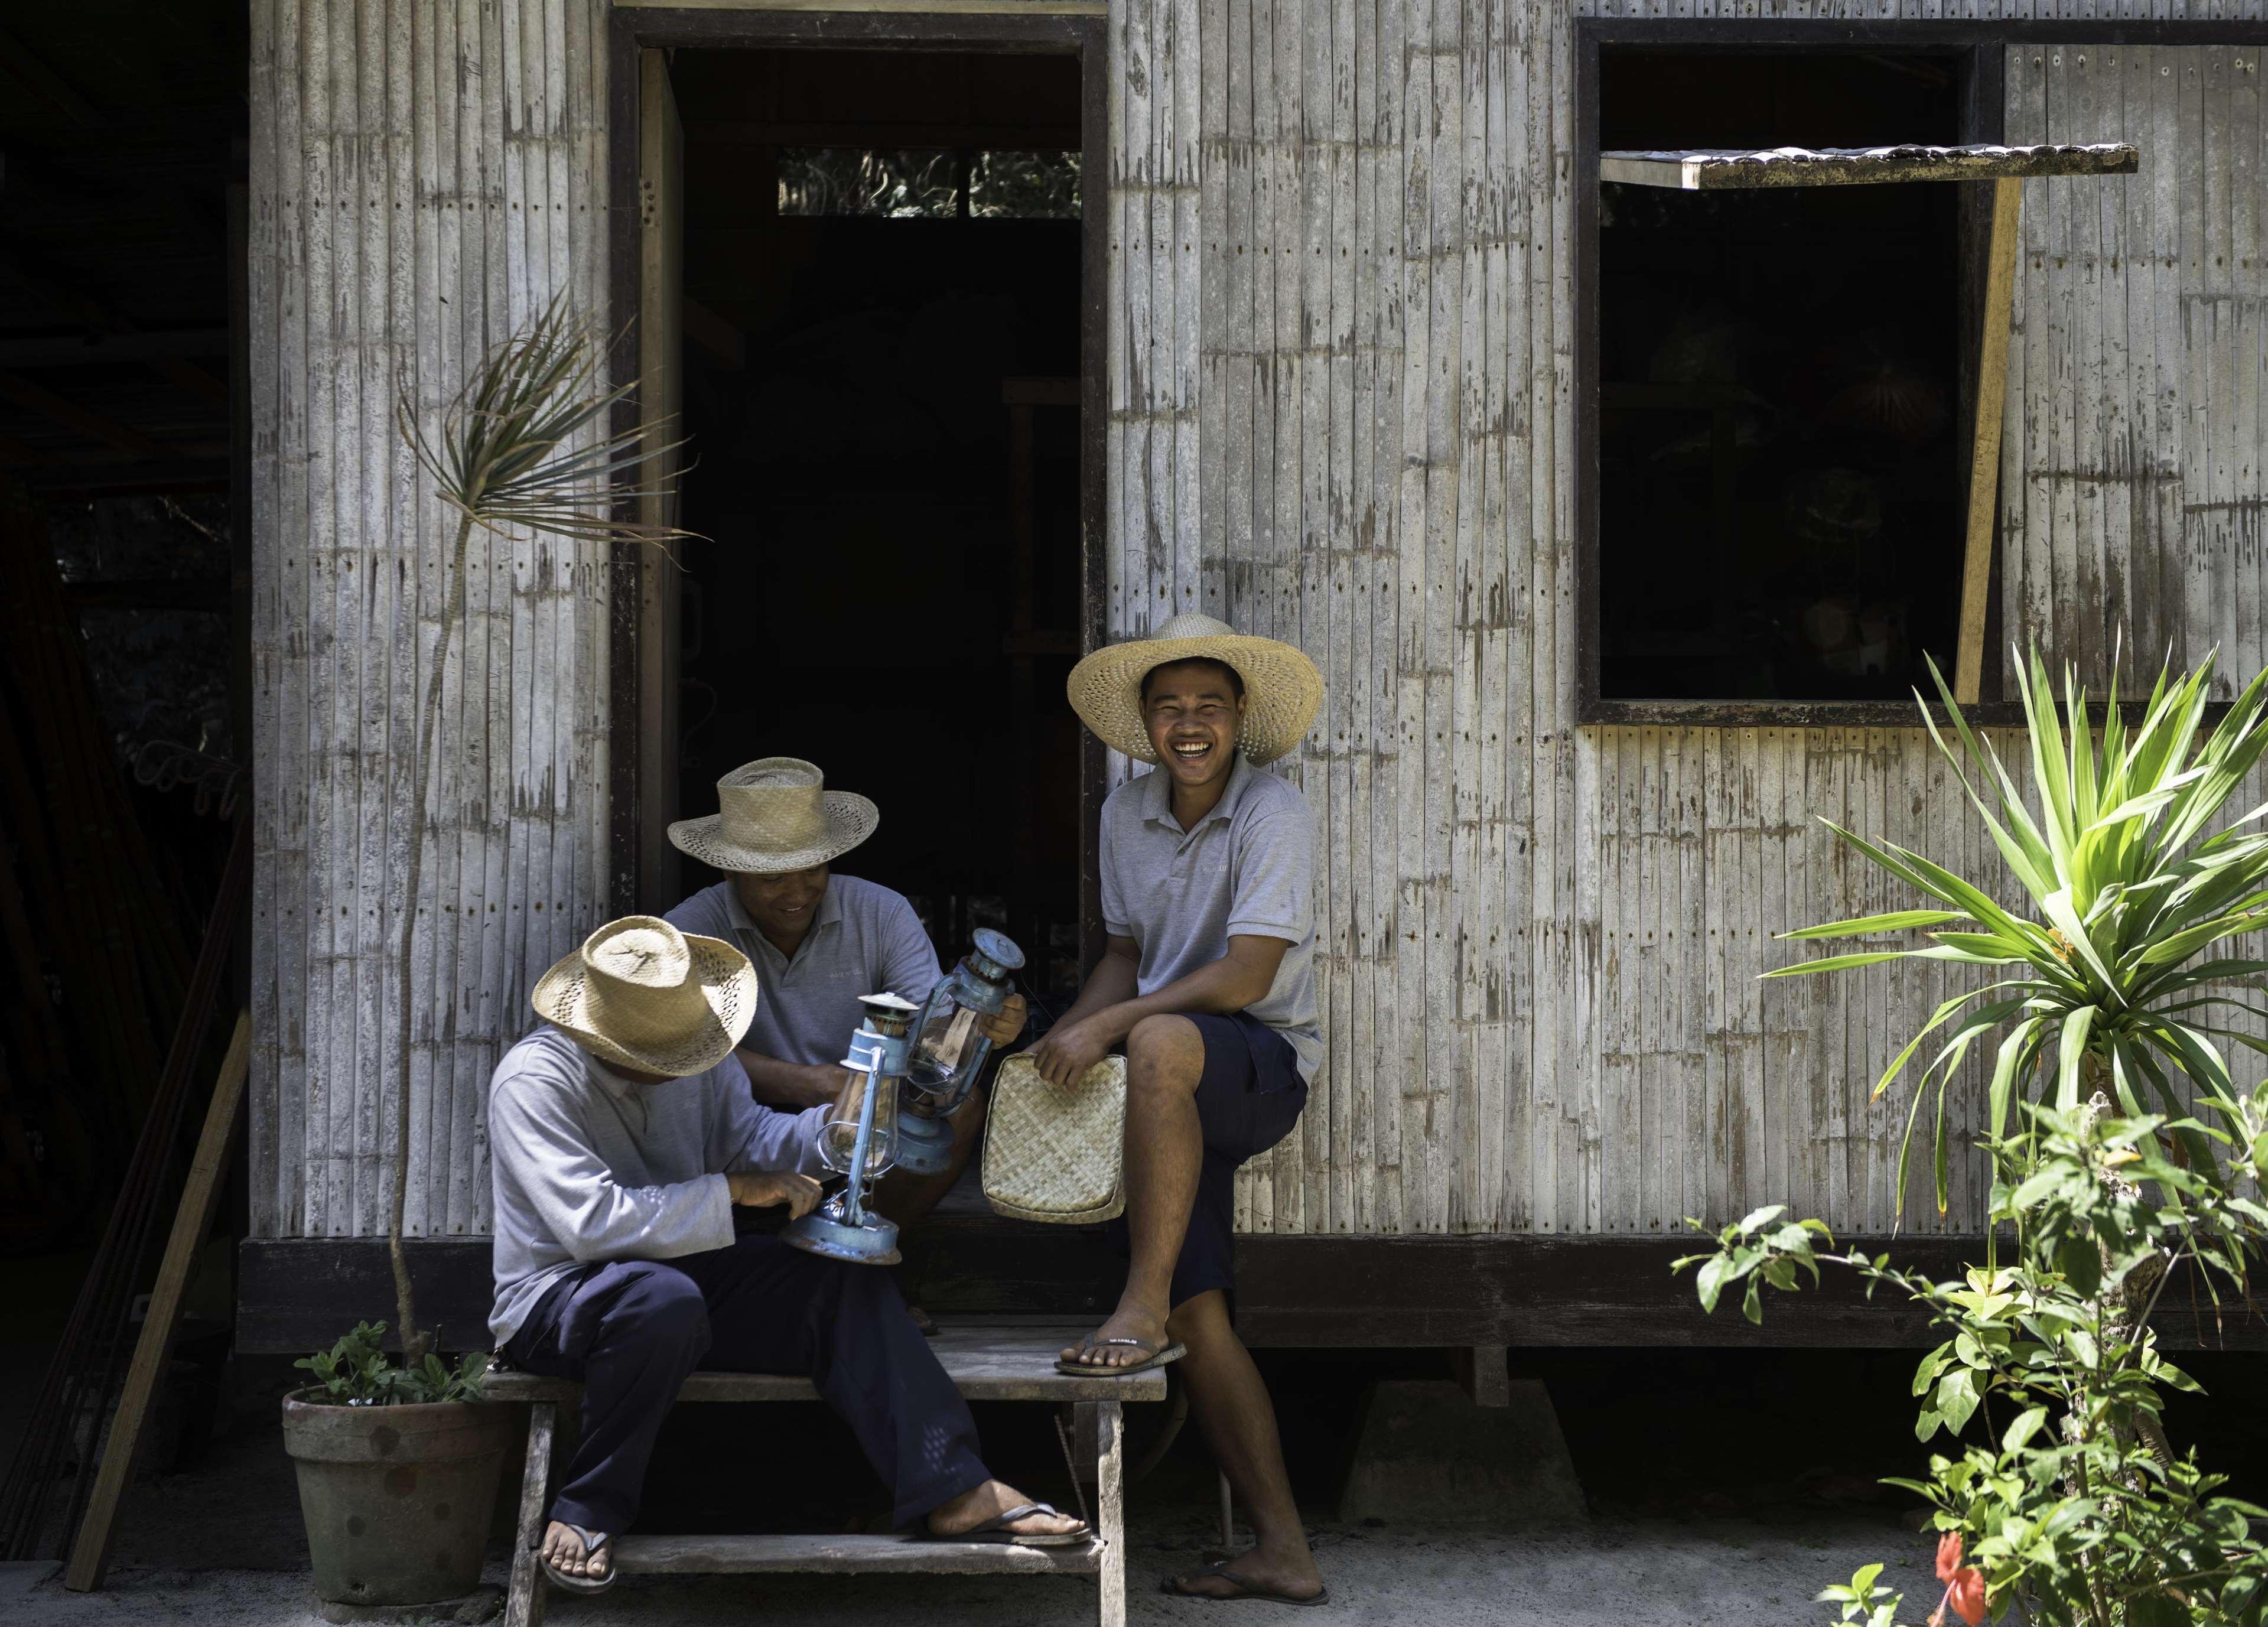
(1787, 377)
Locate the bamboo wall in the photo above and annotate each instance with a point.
(426, 174)
(1340, 383)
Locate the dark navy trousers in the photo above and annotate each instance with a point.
(629, 1331)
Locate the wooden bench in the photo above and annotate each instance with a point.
(987, 1359)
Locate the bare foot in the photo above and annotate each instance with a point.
(991, 1500)
(563, 1551)
(1132, 1320)
(1290, 1575)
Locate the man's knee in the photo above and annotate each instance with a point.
(1200, 1321)
(663, 1307)
(1164, 1054)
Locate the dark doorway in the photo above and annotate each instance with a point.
(1782, 470)
(882, 318)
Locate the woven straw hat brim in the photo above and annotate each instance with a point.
(728, 986)
(850, 820)
(1282, 690)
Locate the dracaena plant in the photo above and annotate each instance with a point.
(2112, 973)
(525, 449)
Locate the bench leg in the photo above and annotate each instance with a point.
(1110, 1512)
(524, 1606)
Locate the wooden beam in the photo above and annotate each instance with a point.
(37, 398)
(524, 1602)
(200, 1195)
(191, 378)
(41, 81)
(75, 349)
(1307, 1292)
(1985, 461)
(713, 334)
(911, 8)
(1719, 170)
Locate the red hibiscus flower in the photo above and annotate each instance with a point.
(1964, 1585)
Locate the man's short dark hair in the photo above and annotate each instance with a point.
(1236, 678)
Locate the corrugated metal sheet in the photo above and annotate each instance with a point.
(1340, 388)
(426, 174)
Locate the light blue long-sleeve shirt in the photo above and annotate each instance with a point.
(590, 1166)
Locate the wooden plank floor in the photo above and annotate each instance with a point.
(719, 1555)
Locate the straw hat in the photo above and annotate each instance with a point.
(642, 995)
(776, 816)
(1282, 688)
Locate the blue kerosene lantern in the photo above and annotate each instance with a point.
(949, 1052)
(860, 1140)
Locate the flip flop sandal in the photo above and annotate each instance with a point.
(592, 1541)
(1151, 1359)
(995, 1530)
(1172, 1586)
(923, 1325)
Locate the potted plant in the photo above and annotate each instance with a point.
(397, 1471)
(2124, 1155)
(398, 1464)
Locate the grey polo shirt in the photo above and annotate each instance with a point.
(1247, 871)
(865, 939)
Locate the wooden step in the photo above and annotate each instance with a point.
(986, 1361)
(717, 1555)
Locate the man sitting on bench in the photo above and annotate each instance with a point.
(621, 1134)
(821, 940)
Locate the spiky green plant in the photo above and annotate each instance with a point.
(2132, 878)
(506, 459)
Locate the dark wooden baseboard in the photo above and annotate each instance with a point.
(297, 1293)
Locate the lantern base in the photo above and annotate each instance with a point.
(925, 1145)
(825, 1232)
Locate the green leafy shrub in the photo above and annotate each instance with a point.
(358, 1373)
(2056, 1495)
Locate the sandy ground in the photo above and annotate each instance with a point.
(1630, 1574)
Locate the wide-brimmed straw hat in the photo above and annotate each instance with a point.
(774, 815)
(1282, 688)
(642, 995)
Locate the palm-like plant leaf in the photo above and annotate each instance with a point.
(522, 449)
(2126, 892)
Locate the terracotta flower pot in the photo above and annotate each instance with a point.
(396, 1500)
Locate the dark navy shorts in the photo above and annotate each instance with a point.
(1248, 1097)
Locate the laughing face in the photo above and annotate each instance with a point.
(783, 906)
(1193, 711)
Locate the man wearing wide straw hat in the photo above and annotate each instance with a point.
(818, 939)
(1208, 981)
(621, 1135)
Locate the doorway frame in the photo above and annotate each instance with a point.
(1076, 28)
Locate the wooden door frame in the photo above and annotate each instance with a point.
(1055, 27)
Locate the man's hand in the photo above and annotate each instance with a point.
(1071, 1048)
(1003, 1030)
(761, 1189)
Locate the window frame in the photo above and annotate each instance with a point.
(1979, 60)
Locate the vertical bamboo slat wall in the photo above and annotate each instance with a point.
(1340, 385)
(1340, 251)
(426, 174)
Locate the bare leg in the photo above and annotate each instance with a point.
(1233, 1413)
(1165, 1149)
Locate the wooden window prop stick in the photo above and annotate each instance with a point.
(1984, 468)
(90, 1553)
